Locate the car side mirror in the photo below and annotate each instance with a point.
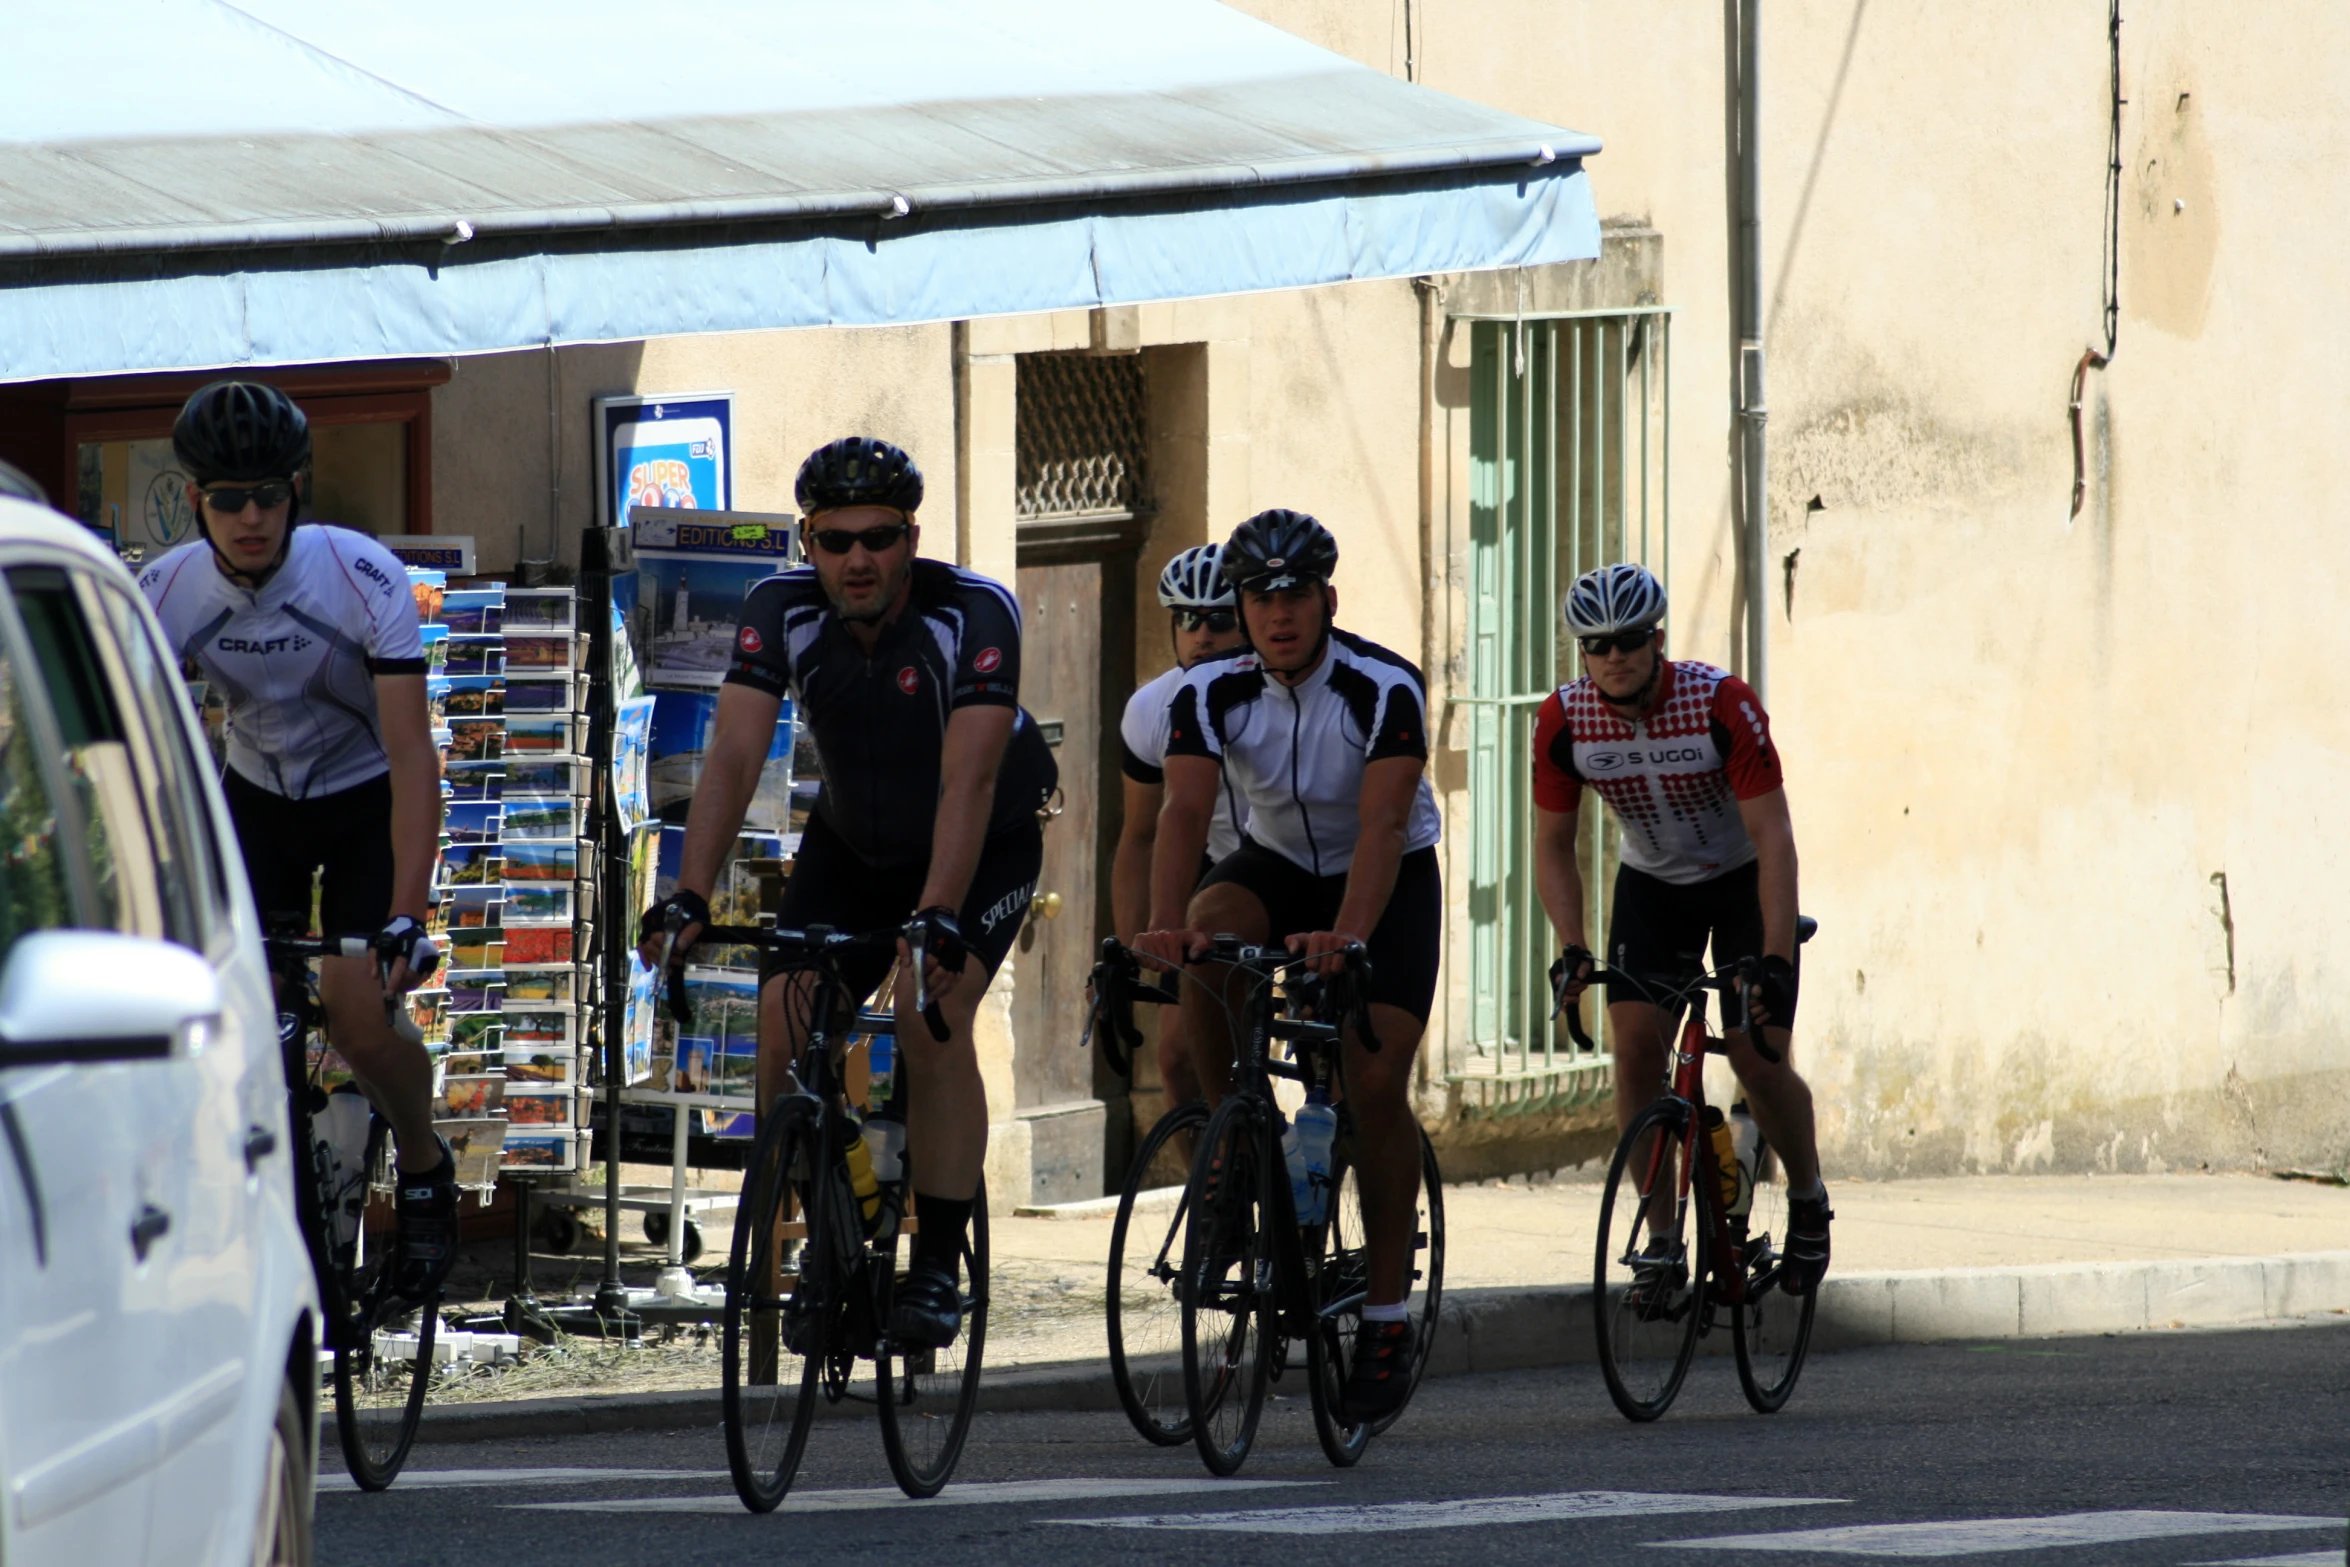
(90, 995)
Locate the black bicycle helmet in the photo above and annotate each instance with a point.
(1279, 549)
(858, 470)
(241, 430)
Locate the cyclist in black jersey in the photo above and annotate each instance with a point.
(1323, 736)
(907, 671)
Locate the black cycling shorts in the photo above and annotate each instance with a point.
(1657, 931)
(830, 885)
(345, 838)
(1404, 947)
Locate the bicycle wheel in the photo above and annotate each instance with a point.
(1649, 1267)
(928, 1395)
(1771, 1331)
(1145, 1314)
(1226, 1286)
(776, 1275)
(1427, 1271)
(383, 1358)
(1342, 1272)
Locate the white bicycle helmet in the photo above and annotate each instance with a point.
(1195, 580)
(1622, 597)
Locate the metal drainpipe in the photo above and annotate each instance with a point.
(1754, 505)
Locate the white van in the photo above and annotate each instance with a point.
(158, 1382)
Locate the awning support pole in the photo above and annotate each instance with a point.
(1754, 504)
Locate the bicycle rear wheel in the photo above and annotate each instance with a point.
(383, 1358)
(1226, 1286)
(928, 1395)
(781, 1291)
(1649, 1267)
(1145, 1313)
(1772, 1329)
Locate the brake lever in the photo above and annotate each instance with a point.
(1753, 1030)
(1359, 995)
(932, 1018)
(673, 972)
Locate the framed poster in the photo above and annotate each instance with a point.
(665, 452)
(692, 574)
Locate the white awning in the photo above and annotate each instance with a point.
(191, 183)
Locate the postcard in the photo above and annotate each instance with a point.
(539, 653)
(541, 861)
(470, 821)
(476, 739)
(472, 780)
(527, 944)
(525, 695)
(477, 947)
(470, 864)
(429, 587)
(470, 1096)
(536, 1109)
(538, 736)
(472, 696)
(474, 656)
(476, 1030)
(471, 619)
(691, 1072)
(536, 1029)
(538, 987)
(472, 905)
(476, 990)
(541, 816)
(535, 904)
(531, 775)
(539, 609)
(477, 1145)
(538, 1066)
(537, 1150)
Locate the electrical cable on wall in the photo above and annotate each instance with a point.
(2111, 269)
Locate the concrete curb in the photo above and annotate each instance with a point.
(1512, 1329)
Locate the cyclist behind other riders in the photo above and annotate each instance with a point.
(310, 635)
(1682, 753)
(1203, 624)
(908, 673)
(1324, 736)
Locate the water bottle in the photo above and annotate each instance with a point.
(861, 1179)
(1726, 1180)
(341, 1131)
(1301, 1190)
(1746, 1145)
(1315, 1129)
(885, 1146)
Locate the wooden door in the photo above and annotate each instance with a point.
(1076, 672)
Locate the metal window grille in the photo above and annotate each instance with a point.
(1570, 456)
(1081, 436)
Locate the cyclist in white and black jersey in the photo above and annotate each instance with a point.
(1203, 624)
(1324, 737)
(310, 635)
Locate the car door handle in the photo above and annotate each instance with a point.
(150, 1226)
(260, 1143)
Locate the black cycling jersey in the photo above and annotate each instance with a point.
(880, 721)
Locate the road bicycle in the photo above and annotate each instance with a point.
(1249, 1279)
(382, 1344)
(1674, 1250)
(811, 1279)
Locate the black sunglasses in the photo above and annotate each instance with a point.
(1216, 620)
(839, 541)
(1617, 642)
(229, 500)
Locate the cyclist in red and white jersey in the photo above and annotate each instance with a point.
(1682, 753)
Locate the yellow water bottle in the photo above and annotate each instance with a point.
(1726, 1171)
(861, 1180)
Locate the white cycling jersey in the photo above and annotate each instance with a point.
(1296, 754)
(1144, 730)
(296, 660)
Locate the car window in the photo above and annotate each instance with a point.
(114, 841)
(178, 819)
(33, 889)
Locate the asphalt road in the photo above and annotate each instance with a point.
(2169, 1448)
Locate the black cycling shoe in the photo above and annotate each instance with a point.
(1381, 1377)
(1805, 1261)
(427, 1242)
(928, 1312)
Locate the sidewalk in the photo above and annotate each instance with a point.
(1979, 1257)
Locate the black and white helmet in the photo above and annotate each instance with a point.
(1195, 580)
(1622, 597)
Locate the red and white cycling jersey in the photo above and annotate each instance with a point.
(1674, 779)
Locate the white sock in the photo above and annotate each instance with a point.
(1398, 1312)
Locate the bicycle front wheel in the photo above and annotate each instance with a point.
(1226, 1286)
(1771, 1328)
(383, 1350)
(1145, 1312)
(780, 1291)
(928, 1395)
(1649, 1268)
(1341, 1275)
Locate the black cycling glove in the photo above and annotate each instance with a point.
(942, 938)
(690, 907)
(1572, 965)
(1776, 990)
(404, 940)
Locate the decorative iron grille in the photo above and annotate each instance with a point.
(1082, 448)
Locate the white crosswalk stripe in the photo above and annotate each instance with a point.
(1469, 1512)
(863, 1499)
(1980, 1536)
(427, 1479)
(2326, 1558)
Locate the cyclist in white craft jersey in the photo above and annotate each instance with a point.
(1204, 624)
(310, 635)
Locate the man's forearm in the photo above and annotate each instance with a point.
(1775, 885)
(416, 833)
(1370, 880)
(1558, 882)
(721, 798)
(957, 835)
(1175, 857)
